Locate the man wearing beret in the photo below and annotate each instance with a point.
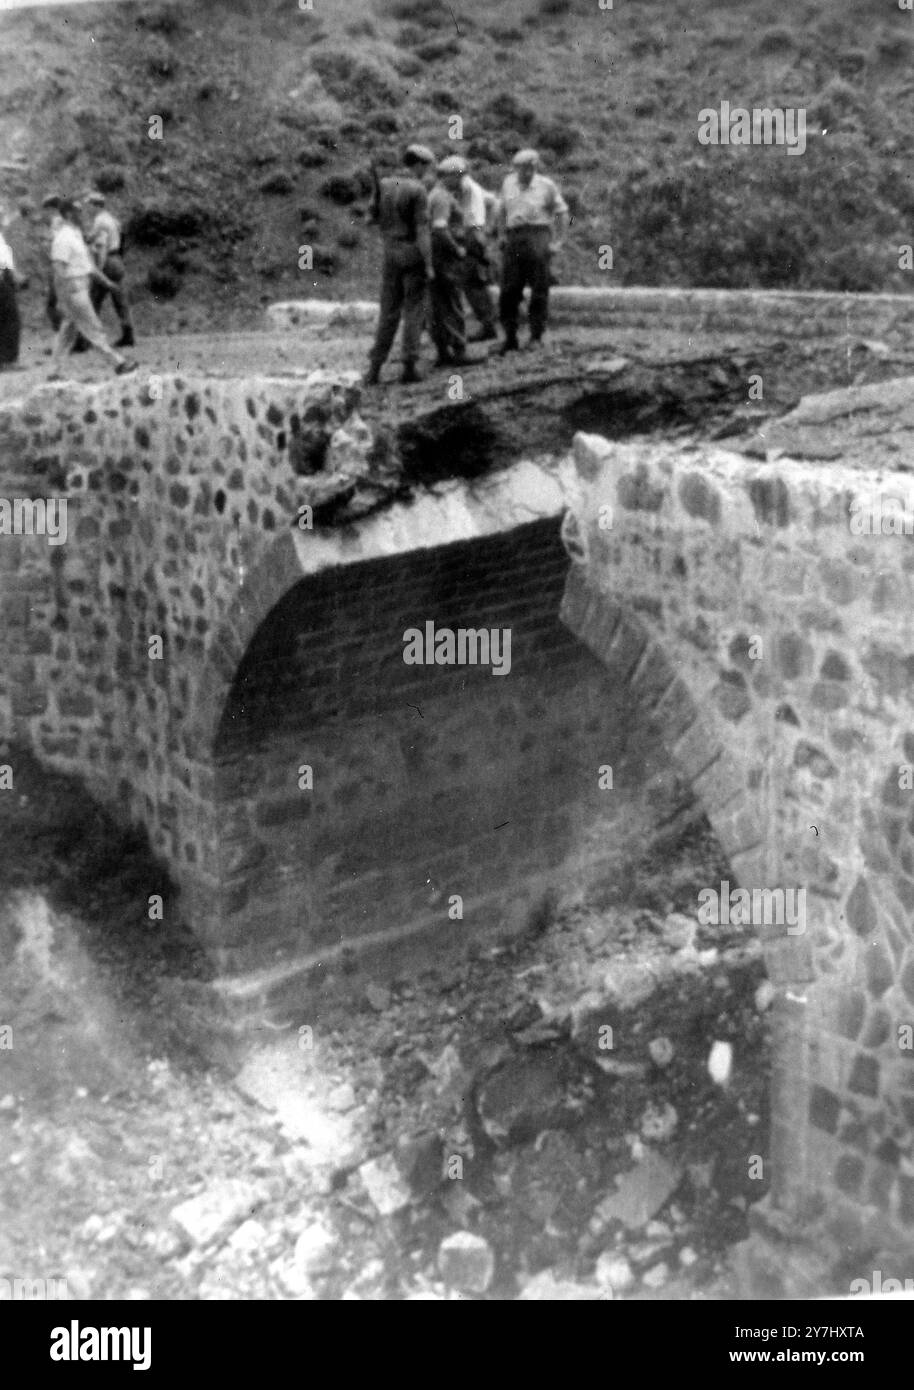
(400, 208)
(533, 220)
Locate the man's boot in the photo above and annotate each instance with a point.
(373, 375)
(483, 335)
(510, 344)
(410, 374)
(126, 339)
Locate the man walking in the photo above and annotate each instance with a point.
(106, 242)
(400, 208)
(74, 268)
(448, 255)
(478, 206)
(533, 220)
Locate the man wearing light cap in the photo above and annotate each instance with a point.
(106, 243)
(533, 219)
(448, 323)
(400, 208)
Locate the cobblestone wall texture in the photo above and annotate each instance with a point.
(781, 643)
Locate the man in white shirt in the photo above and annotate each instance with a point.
(533, 219)
(73, 269)
(478, 206)
(107, 245)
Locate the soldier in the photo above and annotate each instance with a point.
(448, 255)
(533, 219)
(400, 208)
(106, 242)
(478, 206)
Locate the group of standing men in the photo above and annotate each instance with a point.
(437, 225)
(85, 269)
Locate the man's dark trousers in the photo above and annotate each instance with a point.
(476, 278)
(114, 269)
(526, 262)
(403, 284)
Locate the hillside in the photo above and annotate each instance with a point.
(271, 115)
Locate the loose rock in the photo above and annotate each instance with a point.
(213, 1213)
(466, 1262)
(614, 1272)
(382, 1181)
(641, 1192)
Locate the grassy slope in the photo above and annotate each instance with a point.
(253, 93)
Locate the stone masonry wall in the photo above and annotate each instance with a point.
(780, 644)
(175, 491)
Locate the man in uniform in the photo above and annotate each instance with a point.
(448, 257)
(400, 208)
(106, 243)
(478, 206)
(533, 219)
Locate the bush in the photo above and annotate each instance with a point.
(353, 79)
(552, 8)
(436, 49)
(163, 282)
(349, 238)
(150, 226)
(508, 35)
(774, 41)
(324, 259)
(427, 12)
(383, 122)
(558, 136)
(312, 158)
(509, 112)
(278, 183)
(409, 36)
(442, 99)
(344, 189)
(166, 19)
(111, 179)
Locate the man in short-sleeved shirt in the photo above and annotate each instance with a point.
(107, 243)
(400, 208)
(533, 219)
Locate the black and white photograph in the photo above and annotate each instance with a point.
(456, 663)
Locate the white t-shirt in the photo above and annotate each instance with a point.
(69, 252)
(6, 255)
(105, 235)
(475, 202)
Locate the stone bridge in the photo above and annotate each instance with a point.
(217, 649)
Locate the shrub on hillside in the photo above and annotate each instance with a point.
(427, 12)
(111, 179)
(507, 111)
(775, 41)
(436, 49)
(773, 222)
(312, 157)
(278, 183)
(349, 238)
(161, 19)
(163, 282)
(558, 136)
(351, 78)
(552, 8)
(511, 34)
(344, 189)
(150, 226)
